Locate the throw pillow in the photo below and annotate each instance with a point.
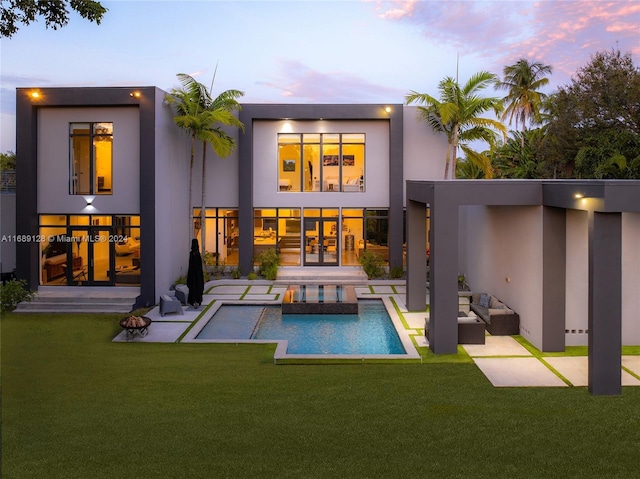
(166, 297)
(484, 300)
(495, 303)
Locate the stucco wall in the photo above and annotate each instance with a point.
(631, 279)
(265, 166)
(577, 279)
(424, 149)
(502, 248)
(222, 176)
(172, 239)
(53, 160)
(506, 242)
(8, 227)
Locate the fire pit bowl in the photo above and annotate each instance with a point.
(135, 325)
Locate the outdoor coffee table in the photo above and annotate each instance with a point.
(133, 330)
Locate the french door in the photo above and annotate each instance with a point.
(90, 258)
(321, 241)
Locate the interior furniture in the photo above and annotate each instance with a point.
(284, 184)
(76, 273)
(353, 184)
(128, 274)
(499, 318)
(128, 247)
(170, 305)
(56, 265)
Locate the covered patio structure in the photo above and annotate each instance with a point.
(604, 201)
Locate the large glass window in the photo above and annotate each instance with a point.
(321, 162)
(91, 158)
(221, 235)
(90, 250)
(278, 229)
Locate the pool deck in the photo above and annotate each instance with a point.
(502, 359)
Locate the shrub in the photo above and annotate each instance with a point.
(371, 264)
(396, 272)
(251, 276)
(209, 258)
(268, 261)
(235, 273)
(14, 292)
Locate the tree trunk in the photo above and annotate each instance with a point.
(203, 236)
(446, 162)
(455, 152)
(190, 215)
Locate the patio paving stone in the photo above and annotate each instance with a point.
(632, 363)
(421, 341)
(259, 297)
(383, 289)
(260, 289)
(160, 332)
(497, 346)
(228, 289)
(415, 320)
(576, 370)
(518, 372)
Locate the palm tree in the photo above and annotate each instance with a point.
(203, 117)
(523, 80)
(457, 114)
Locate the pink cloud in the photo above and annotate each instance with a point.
(298, 82)
(563, 34)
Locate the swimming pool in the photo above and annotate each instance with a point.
(370, 332)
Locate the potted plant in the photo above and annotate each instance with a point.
(462, 282)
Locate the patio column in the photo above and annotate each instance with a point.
(554, 260)
(443, 277)
(605, 303)
(416, 256)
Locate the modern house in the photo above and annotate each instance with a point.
(103, 184)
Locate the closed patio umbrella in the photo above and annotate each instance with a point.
(195, 277)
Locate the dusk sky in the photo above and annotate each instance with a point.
(355, 51)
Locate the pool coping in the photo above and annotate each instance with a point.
(281, 344)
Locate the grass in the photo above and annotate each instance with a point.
(76, 405)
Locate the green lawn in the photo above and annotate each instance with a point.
(76, 405)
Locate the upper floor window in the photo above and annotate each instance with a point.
(321, 162)
(91, 158)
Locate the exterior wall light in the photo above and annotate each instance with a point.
(578, 196)
(89, 199)
(387, 109)
(35, 95)
(134, 94)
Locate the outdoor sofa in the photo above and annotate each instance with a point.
(499, 318)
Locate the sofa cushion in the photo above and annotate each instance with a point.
(496, 311)
(467, 320)
(495, 303)
(484, 300)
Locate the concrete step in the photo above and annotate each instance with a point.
(321, 275)
(73, 307)
(81, 300)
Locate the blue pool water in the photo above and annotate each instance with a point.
(369, 332)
